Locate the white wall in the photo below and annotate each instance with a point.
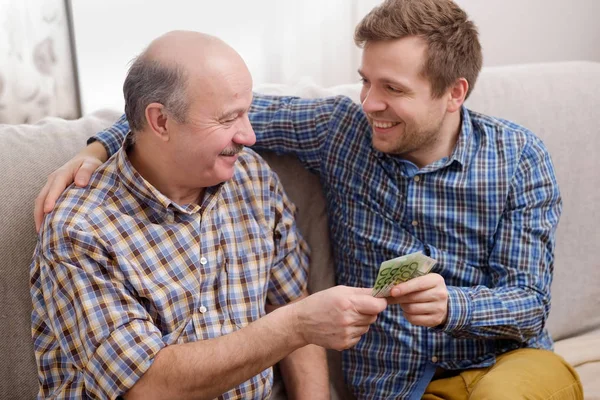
(531, 31)
(281, 41)
(285, 40)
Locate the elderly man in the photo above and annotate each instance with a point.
(155, 281)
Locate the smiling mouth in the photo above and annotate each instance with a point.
(384, 124)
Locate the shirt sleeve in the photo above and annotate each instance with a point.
(299, 126)
(517, 303)
(112, 138)
(289, 273)
(97, 339)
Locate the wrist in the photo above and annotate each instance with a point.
(96, 150)
(296, 326)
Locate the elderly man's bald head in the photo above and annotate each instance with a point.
(162, 73)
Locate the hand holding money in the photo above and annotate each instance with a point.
(406, 281)
(401, 269)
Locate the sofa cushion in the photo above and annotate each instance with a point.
(29, 153)
(583, 353)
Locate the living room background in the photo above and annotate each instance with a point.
(285, 41)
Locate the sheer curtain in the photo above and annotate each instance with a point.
(310, 39)
(281, 41)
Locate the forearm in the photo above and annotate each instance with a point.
(96, 150)
(206, 369)
(295, 126)
(305, 373)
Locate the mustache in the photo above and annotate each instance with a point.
(232, 151)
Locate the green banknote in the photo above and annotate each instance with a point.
(401, 269)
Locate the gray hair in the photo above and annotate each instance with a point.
(150, 81)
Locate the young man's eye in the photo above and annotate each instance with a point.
(364, 81)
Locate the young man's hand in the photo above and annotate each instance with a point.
(79, 169)
(424, 300)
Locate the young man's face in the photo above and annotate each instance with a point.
(406, 120)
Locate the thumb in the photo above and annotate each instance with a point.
(369, 305)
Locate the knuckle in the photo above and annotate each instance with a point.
(347, 321)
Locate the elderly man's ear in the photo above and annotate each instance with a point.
(157, 117)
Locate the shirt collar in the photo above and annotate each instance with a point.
(142, 189)
(461, 153)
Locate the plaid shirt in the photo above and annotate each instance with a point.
(487, 214)
(120, 272)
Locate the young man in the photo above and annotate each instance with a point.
(414, 170)
(155, 280)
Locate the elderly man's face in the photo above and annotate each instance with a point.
(207, 145)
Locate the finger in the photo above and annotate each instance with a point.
(421, 308)
(418, 284)
(57, 186)
(359, 331)
(430, 320)
(359, 291)
(38, 211)
(367, 304)
(84, 173)
(363, 319)
(349, 343)
(420, 297)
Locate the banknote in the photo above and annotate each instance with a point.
(401, 269)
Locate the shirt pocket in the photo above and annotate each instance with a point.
(247, 285)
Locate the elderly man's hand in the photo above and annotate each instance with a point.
(424, 300)
(336, 318)
(78, 169)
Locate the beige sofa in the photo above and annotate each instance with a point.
(557, 101)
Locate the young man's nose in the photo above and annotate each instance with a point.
(372, 101)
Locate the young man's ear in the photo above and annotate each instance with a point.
(457, 94)
(156, 117)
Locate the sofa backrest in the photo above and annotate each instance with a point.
(560, 103)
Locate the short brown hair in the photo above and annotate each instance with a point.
(453, 48)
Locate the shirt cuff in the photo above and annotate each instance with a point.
(459, 310)
(122, 358)
(112, 138)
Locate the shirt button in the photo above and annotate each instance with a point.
(415, 223)
(417, 178)
(202, 309)
(434, 359)
(203, 260)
